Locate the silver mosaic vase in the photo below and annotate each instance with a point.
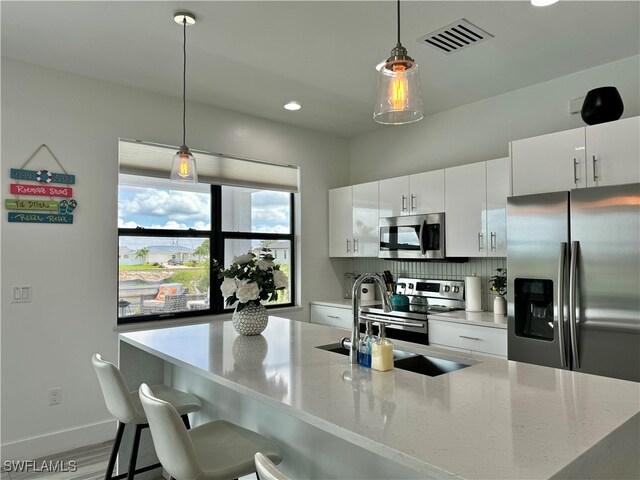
(251, 320)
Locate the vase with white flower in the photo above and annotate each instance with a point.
(250, 279)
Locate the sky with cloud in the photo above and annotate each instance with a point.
(157, 208)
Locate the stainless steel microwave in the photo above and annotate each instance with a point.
(413, 237)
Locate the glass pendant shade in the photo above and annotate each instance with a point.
(183, 168)
(399, 97)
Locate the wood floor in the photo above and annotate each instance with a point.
(91, 464)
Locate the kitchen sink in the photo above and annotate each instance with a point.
(411, 362)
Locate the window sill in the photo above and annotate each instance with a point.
(130, 327)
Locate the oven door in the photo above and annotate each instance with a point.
(412, 237)
(406, 329)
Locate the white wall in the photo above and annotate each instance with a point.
(482, 130)
(72, 269)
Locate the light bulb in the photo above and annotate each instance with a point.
(398, 88)
(183, 169)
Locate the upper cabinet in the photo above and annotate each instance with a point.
(549, 163)
(412, 194)
(613, 152)
(353, 221)
(597, 155)
(475, 207)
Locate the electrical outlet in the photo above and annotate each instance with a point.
(21, 294)
(55, 396)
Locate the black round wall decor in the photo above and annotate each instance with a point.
(601, 105)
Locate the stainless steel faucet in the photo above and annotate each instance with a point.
(355, 303)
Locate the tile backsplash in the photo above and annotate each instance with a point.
(482, 267)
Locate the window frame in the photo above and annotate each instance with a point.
(217, 238)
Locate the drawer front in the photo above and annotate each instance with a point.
(469, 337)
(336, 317)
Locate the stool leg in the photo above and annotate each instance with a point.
(134, 452)
(185, 420)
(114, 451)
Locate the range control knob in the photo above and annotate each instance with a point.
(447, 288)
(456, 289)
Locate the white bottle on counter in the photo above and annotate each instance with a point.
(382, 352)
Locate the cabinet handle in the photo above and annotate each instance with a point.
(355, 245)
(493, 241)
(404, 203)
(469, 338)
(595, 175)
(348, 246)
(480, 235)
(575, 172)
(413, 201)
(333, 316)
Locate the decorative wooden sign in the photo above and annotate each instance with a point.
(42, 176)
(15, 217)
(59, 212)
(31, 205)
(38, 190)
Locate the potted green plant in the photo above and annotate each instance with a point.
(498, 284)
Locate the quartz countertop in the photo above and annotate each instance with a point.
(495, 419)
(344, 303)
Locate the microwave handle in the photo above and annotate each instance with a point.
(421, 237)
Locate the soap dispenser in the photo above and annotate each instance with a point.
(364, 349)
(382, 352)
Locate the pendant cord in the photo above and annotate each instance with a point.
(398, 8)
(184, 79)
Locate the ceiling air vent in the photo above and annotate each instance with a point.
(455, 37)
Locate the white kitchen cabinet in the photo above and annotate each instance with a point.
(549, 163)
(498, 189)
(471, 338)
(426, 192)
(332, 316)
(475, 206)
(365, 220)
(353, 221)
(596, 155)
(465, 199)
(340, 222)
(613, 152)
(394, 193)
(412, 194)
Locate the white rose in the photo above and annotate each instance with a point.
(242, 259)
(228, 287)
(280, 280)
(265, 264)
(248, 292)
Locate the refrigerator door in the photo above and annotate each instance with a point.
(537, 256)
(605, 229)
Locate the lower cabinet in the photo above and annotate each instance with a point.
(470, 338)
(333, 316)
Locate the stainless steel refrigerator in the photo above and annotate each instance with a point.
(573, 280)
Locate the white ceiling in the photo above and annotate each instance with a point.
(253, 57)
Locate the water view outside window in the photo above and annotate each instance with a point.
(158, 275)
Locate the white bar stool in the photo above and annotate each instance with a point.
(213, 451)
(266, 469)
(124, 406)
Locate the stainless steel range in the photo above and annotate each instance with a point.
(425, 297)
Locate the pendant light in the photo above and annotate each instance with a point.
(399, 98)
(184, 164)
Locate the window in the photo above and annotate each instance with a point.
(169, 232)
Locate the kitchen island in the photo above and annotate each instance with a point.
(493, 419)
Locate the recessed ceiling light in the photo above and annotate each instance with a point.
(293, 106)
(543, 3)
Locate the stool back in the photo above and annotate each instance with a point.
(266, 469)
(170, 437)
(115, 391)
